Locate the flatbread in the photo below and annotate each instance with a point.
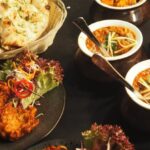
(22, 21)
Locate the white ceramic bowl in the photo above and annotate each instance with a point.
(141, 2)
(131, 74)
(100, 24)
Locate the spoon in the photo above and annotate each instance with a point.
(100, 61)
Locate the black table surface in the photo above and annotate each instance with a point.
(88, 101)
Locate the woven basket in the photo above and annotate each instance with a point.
(58, 14)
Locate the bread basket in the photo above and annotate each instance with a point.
(57, 16)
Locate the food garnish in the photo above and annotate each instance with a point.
(23, 80)
(142, 84)
(106, 137)
(115, 41)
(120, 3)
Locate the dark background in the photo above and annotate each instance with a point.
(88, 101)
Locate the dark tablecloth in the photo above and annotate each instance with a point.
(88, 101)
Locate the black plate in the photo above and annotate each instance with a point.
(71, 145)
(52, 106)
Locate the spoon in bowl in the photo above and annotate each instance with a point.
(100, 61)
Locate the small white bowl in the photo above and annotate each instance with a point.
(141, 2)
(131, 74)
(105, 23)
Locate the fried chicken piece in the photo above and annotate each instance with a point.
(17, 122)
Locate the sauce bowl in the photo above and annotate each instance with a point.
(134, 110)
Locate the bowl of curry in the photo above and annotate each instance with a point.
(119, 39)
(134, 110)
(139, 77)
(121, 43)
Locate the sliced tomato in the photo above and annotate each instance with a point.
(23, 88)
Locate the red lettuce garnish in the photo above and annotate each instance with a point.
(106, 137)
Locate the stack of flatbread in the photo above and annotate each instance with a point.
(22, 21)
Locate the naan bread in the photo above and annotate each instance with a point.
(22, 21)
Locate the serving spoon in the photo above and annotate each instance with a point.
(101, 62)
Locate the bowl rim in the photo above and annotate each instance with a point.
(111, 22)
(130, 76)
(141, 2)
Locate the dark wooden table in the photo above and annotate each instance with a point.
(88, 101)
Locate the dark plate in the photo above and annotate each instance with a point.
(71, 145)
(52, 106)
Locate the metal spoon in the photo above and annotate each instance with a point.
(100, 61)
